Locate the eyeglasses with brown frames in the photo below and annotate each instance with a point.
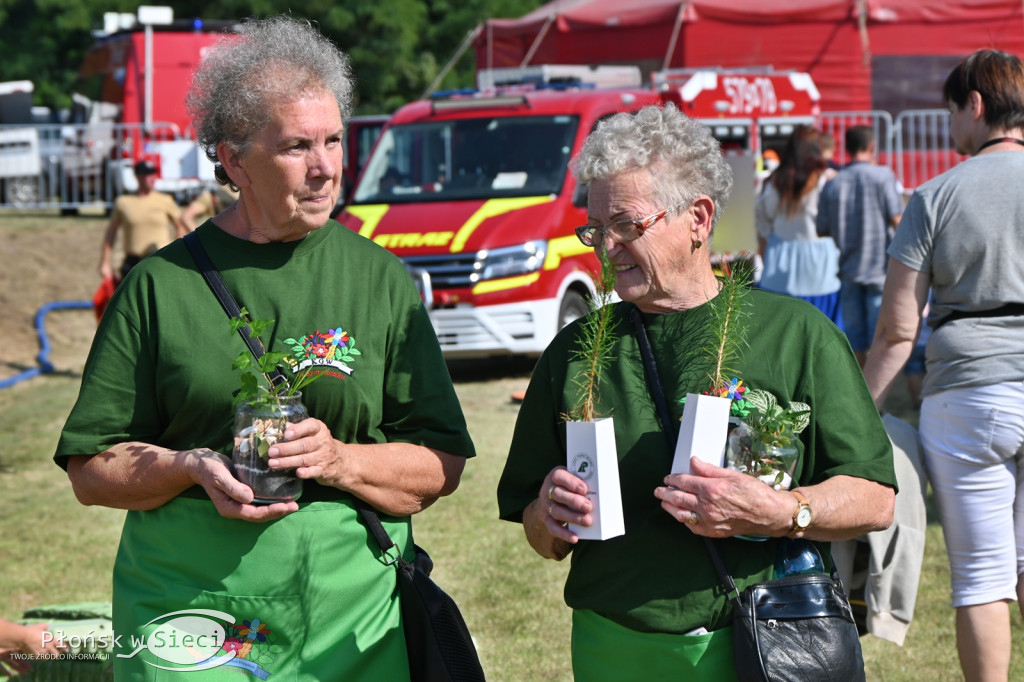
(622, 230)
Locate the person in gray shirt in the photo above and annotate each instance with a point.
(962, 234)
(859, 208)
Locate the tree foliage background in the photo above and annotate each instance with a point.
(397, 47)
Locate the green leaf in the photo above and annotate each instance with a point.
(354, 351)
(243, 361)
(260, 326)
(262, 448)
(801, 416)
(759, 399)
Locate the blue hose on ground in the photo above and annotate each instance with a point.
(45, 366)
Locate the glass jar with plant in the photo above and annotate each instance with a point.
(763, 442)
(264, 406)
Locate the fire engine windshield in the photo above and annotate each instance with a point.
(469, 158)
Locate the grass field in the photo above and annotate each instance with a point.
(53, 550)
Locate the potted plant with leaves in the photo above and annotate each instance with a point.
(264, 406)
(763, 442)
(590, 439)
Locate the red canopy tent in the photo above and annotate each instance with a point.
(862, 54)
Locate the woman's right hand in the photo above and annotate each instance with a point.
(233, 499)
(562, 500)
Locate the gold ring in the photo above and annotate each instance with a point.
(551, 491)
(551, 510)
(693, 520)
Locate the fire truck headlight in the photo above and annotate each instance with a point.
(511, 260)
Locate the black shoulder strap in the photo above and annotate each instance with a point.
(227, 301)
(651, 369)
(372, 522)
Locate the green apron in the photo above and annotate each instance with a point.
(305, 597)
(604, 651)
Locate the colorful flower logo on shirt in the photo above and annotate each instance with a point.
(333, 349)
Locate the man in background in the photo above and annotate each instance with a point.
(860, 209)
(209, 203)
(146, 217)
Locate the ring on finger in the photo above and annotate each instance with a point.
(693, 520)
(551, 491)
(551, 510)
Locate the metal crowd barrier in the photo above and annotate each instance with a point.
(916, 145)
(69, 166)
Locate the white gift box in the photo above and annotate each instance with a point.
(702, 432)
(592, 456)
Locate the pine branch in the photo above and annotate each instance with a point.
(596, 342)
(730, 314)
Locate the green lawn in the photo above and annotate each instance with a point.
(53, 550)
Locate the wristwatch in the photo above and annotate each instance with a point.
(803, 514)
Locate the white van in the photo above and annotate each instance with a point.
(20, 161)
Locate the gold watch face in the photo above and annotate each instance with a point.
(803, 517)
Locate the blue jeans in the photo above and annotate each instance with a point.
(860, 307)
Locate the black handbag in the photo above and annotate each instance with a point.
(798, 628)
(438, 641)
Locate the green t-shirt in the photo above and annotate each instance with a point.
(160, 368)
(658, 577)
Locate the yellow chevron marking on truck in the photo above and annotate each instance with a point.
(371, 216)
(564, 247)
(507, 283)
(490, 209)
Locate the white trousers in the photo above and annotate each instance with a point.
(973, 444)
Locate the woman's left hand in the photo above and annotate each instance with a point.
(395, 478)
(719, 503)
(311, 450)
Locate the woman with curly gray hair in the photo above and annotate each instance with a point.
(209, 576)
(648, 604)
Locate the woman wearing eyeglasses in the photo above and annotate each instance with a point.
(648, 604)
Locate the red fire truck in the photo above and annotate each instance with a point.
(472, 189)
(129, 103)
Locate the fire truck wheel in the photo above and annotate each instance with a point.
(573, 306)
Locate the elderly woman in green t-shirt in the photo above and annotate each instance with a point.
(207, 580)
(648, 604)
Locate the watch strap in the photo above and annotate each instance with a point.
(801, 503)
